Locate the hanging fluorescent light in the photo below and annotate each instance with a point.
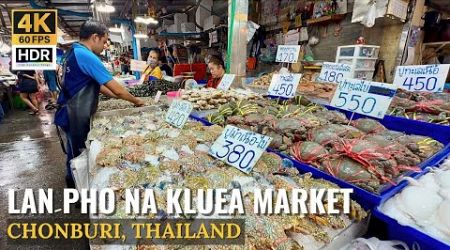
(116, 29)
(140, 36)
(106, 8)
(146, 20)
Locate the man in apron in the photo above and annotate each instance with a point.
(84, 77)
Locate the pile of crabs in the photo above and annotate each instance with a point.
(422, 106)
(142, 151)
(362, 152)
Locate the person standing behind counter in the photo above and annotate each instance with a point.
(217, 69)
(153, 69)
(84, 77)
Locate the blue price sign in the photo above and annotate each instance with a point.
(364, 97)
(284, 85)
(178, 113)
(426, 78)
(239, 148)
(335, 72)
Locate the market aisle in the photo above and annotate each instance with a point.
(30, 157)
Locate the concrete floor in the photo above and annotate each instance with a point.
(30, 157)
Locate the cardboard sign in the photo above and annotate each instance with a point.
(239, 148)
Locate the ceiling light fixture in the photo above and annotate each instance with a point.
(146, 20)
(106, 8)
(140, 36)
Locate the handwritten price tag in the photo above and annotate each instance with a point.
(363, 97)
(178, 113)
(239, 148)
(427, 78)
(335, 72)
(226, 81)
(284, 85)
(287, 53)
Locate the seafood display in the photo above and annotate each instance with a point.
(424, 204)
(150, 88)
(317, 90)
(422, 106)
(362, 152)
(112, 104)
(206, 99)
(263, 81)
(142, 151)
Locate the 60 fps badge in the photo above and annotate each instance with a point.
(34, 39)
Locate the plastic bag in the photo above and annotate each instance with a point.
(375, 244)
(369, 21)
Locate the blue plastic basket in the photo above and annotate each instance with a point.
(367, 199)
(411, 236)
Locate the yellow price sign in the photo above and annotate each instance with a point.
(34, 27)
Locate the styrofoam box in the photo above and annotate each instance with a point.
(180, 18)
(200, 16)
(207, 4)
(167, 22)
(187, 27)
(172, 28)
(211, 22)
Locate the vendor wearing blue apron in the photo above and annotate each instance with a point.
(84, 77)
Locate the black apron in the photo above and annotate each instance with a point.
(74, 116)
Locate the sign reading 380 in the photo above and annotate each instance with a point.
(34, 39)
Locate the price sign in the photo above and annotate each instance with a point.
(284, 85)
(363, 97)
(239, 148)
(427, 78)
(178, 113)
(335, 72)
(226, 81)
(287, 53)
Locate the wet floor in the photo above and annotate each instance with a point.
(30, 157)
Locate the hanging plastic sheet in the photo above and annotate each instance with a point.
(361, 9)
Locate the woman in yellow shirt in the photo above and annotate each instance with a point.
(153, 69)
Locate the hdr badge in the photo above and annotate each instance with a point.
(34, 39)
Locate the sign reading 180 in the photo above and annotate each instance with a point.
(334, 72)
(427, 78)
